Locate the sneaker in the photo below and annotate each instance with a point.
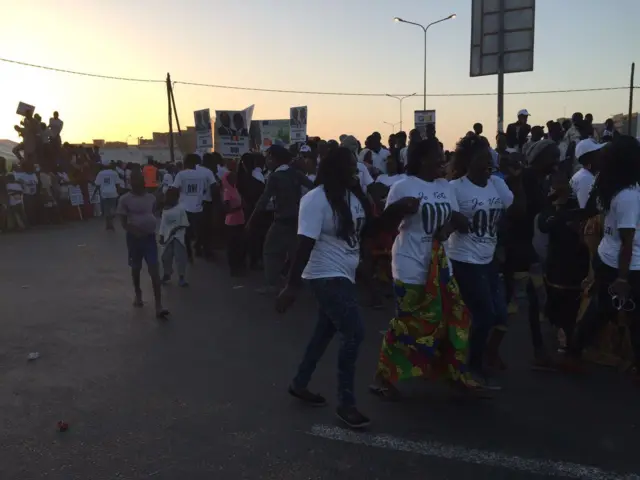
(352, 417)
(183, 283)
(304, 395)
(165, 279)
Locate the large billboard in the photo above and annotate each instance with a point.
(502, 23)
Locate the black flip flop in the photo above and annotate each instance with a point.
(384, 393)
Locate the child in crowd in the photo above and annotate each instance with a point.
(567, 260)
(173, 226)
(16, 206)
(234, 221)
(136, 210)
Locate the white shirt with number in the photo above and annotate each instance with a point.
(331, 256)
(624, 213)
(411, 252)
(108, 180)
(192, 185)
(29, 182)
(212, 180)
(581, 185)
(483, 207)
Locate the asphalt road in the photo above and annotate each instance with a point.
(203, 396)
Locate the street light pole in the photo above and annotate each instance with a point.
(393, 126)
(400, 99)
(425, 29)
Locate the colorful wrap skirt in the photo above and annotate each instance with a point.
(429, 337)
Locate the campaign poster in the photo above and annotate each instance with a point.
(24, 108)
(75, 196)
(425, 120)
(255, 138)
(298, 123)
(204, 139)
(232, 132)
(275, 131)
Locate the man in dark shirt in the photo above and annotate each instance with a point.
(284, 189)
(522, 267)
(518, 132)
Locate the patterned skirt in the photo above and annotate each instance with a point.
(429, 337)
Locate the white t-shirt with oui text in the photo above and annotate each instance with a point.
(411, 252)
(29, 182)
(624, 213)
(107, 181)
(15, 191)
(483, 207)
(331, 256)
(193, 185)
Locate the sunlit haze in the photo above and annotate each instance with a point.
(313, 45)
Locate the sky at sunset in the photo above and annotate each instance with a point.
(319, 45)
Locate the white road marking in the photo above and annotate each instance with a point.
(469, 455)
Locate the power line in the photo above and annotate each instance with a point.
(482, 94)
(310, 92)
(84, 74)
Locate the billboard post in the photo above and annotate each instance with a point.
(502, 41)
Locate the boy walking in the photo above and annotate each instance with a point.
(136, 210)
(172, 237)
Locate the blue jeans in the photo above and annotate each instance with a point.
(482, 290)
(141, 249)
(337, 312)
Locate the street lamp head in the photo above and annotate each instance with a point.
(397, 19)
(452, 16)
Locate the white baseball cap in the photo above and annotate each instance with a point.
(587, 146)
(524, 112)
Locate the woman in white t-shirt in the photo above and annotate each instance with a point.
(330, 224)
(428, 336)
(483, 199)
(616, 191)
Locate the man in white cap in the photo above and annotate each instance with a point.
(518, 132)
(589, 155)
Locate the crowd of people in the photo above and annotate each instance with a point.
(542, 225)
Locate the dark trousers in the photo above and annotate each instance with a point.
(260, 227)
(204, 243)
(280, 244)
(194, 230)
(32, 208)
(482, 290)
(562, 308)
(337, 312)
(595, 319)
(236, 247)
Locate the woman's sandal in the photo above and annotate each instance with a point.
(389, 392)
